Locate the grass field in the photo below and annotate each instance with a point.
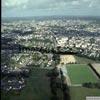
(80, 73)
(84, 60)
(80, 93)
(37, 88)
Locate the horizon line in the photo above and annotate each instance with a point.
(51, 16)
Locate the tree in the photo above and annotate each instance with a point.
(92, 40)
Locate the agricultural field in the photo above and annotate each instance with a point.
(37, 87)
(80, 73)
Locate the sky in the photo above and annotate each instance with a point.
(25, 8)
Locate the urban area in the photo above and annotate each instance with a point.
(50, 59)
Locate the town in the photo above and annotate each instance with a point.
(30, 50)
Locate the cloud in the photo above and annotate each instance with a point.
(86, 0)
(12, 3)
(45, 6)
(91, 4)
(75, 3)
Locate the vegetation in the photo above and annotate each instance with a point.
(80, 93)
(84, 60)
(38, 84)
(91, 85)
(37, 88)
(80, 73)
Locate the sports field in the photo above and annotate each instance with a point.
(80, 73)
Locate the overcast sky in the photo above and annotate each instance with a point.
(22, 8)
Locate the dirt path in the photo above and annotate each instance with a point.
(67, 59)
(65, 74)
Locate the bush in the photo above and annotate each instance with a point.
(91, 85)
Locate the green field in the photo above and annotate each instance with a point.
(84, 60)
(80, 73)
(37, 88)
(80, 93)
